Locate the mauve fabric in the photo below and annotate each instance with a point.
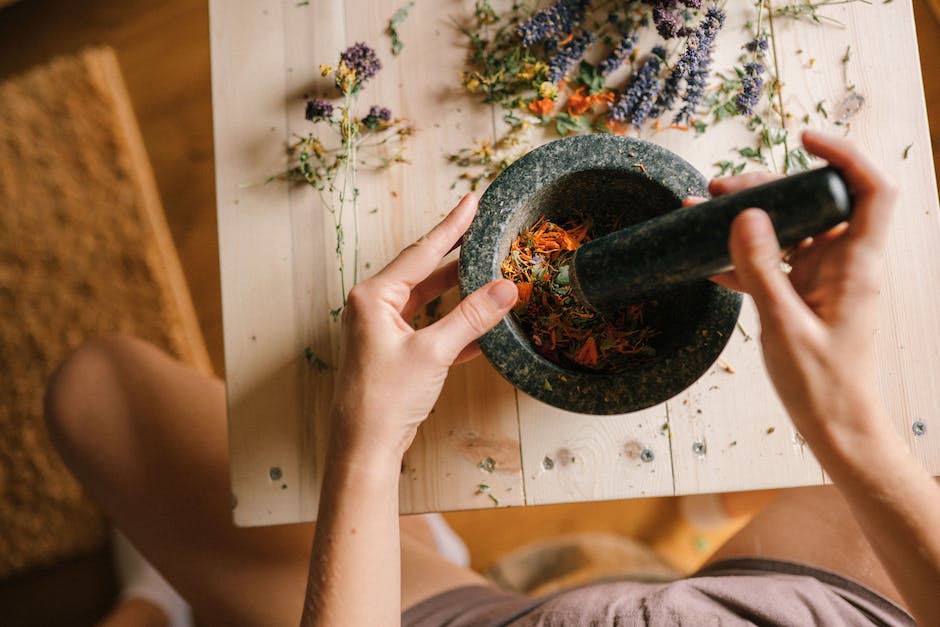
(746, 591)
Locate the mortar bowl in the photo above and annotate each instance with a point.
(609, 178)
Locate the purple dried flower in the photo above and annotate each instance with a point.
(670, 91)
(552, 23)
(697, 49)
(363, 60)
(566, 57)
(668, 22)
(639, 97)
(318, 109)
(380, 113)
(620, 52)
(751, 84)
(378, 117)
(670, 17)
(759, 44)
(698, 57)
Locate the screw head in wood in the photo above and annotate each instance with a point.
(919, 427)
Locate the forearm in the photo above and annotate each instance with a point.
(355, 567)
(897, 504)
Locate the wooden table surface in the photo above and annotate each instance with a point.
(727, 432)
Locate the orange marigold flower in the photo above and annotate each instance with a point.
(617, 128)
(541, 107)
(578, 102)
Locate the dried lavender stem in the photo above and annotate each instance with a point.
(347, 145)
(355, 209)
(778, 88)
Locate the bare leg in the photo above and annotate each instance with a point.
(811, 526)
(146, 436)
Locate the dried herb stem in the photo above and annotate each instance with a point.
(778, 87)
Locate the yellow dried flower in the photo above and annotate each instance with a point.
(325, 69)
(485, 151)
(345, 77)
(548, 90)
(527, 72)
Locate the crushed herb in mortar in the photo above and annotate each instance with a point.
(561, 329)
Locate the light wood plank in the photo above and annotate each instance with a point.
(573, 457)
(263, 367)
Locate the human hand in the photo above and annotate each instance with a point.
(390, 375)
(818, 321)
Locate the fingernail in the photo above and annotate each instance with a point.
(503, 293)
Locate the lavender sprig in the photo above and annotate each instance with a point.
(668, 17)
(698, 55)
(552, 23)
(566, 57)
(621, 51)
(751, 84)
(639, 97)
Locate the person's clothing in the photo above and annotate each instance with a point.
(746, 591)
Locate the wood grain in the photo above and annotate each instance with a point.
(726, 432)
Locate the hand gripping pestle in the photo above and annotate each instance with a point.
(692, 242)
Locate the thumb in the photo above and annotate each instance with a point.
(475, 315)
(755, 253)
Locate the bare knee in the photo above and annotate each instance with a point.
(85, 392)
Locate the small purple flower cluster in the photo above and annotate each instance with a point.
(318, 109)
(381, 113)
(669, 18)
(619, 54)
(363, 60)
(698, 60)
(567, 56)
(552, 23)
(639, 98)
(378, 116)
(751, 84)
(758, 45)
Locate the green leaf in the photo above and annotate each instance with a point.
(797, 160)
(392, 29)
(773, 136)
(566, 123)
(590, 77)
